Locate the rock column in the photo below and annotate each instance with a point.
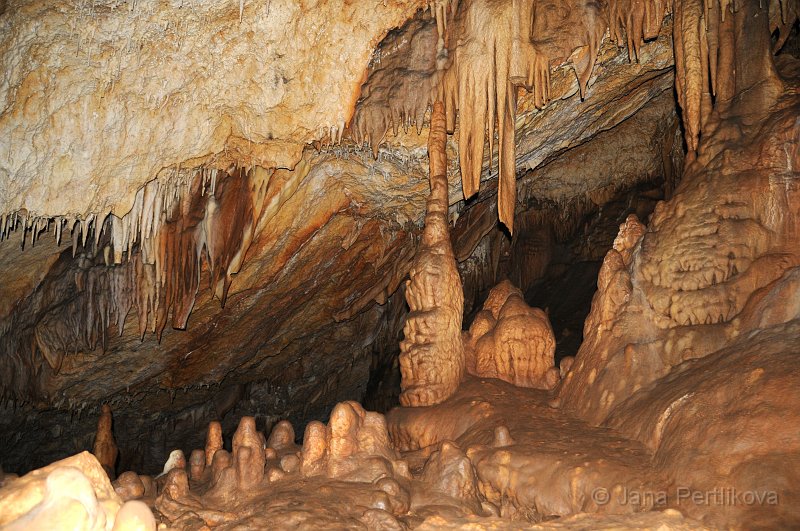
(432, 355)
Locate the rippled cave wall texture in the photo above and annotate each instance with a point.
(470, 264)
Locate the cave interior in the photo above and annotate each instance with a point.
(420, 264)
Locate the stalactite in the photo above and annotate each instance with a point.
(473, 59)
(782, 16)
(719, 55)
(150, 260)
(690, 23)
(640, 20)
(492, 55)
(177, 226)
(404, 73)
(228, 221)
(570, 30)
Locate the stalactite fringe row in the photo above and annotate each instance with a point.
(150, 259)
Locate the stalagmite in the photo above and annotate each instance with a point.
(432, 355)
(73, 493)
(281, 437)
(129, 486)
(176, 461)
(315, 449)
(105, 448)
(511, 341)
(248, 454)
(213, 441)
(197, 464)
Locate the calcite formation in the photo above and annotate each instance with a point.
(511, 341)
(750, 388)
(432, 353)
(121, 68)
(699, 274)
(159, 249)
(176, 460)
(280, 244)
(404, 74)
(62, 314)
(105, 448)
(213, 441)
(633, 22)
(477, 68)
(129, 486)
(74, 493)
(351, 456)
(722, 52)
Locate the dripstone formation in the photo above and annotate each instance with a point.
(233, 272)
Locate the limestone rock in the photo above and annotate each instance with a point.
(432, 355)
(73, 493)
(511, 341)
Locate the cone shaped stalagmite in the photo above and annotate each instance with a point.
(105, 448)
(432, 357)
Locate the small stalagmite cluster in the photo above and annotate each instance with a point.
(215, 485)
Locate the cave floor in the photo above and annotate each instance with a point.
(535, 466)
(528, 454)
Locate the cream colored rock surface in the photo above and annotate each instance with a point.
(534, 465)
(724, 426)
(99, 98)
(74, 493)
(660, 520)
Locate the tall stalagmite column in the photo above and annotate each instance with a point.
(432, 355)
